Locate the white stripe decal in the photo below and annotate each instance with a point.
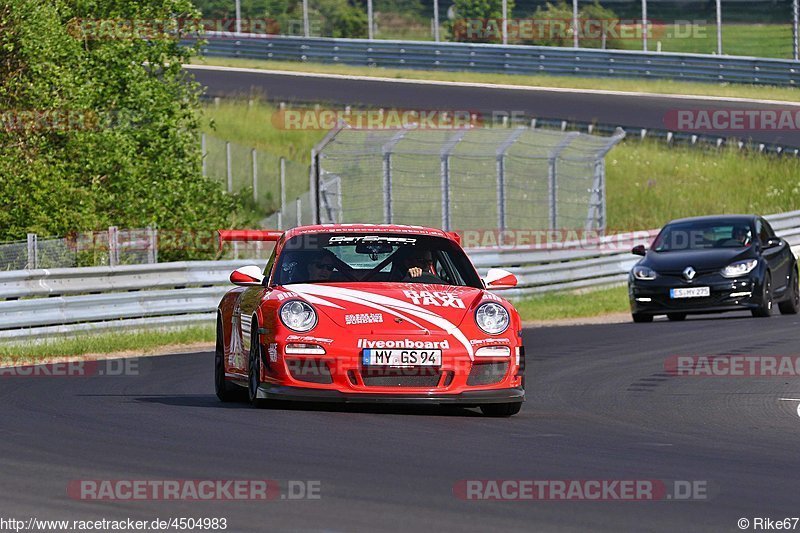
(375, 300)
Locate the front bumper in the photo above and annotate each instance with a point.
(653, 297)
(468, 398)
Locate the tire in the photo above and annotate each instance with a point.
(226, 392)
(501, 410)
(640, 318)
(792, 305)
(765, 309)
(254, 369)
(676, 317)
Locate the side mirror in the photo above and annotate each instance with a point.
(772, 243)
(247, 276)
(638, 250)
(497, 278)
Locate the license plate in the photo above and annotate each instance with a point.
(690, 292)
(372, 357)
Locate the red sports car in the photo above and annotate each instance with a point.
(369, 313)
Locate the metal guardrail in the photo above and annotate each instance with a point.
(508, 59)
(36, 304)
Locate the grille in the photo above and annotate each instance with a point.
(401, 377)
(487, 373)
(309, 370)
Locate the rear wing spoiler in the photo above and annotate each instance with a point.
(248, 235)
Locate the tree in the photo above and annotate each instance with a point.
(100, 126)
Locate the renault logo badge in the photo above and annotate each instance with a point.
(689, 273)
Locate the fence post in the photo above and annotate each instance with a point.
(33, 251)
(283, 193)
(644, 25)
(228, 166)
(299, 205)
(113, 246)
(254, 156)
(501, 179)
(204, 153)
(388, 216)
(719, 27)
(552, 178)
(436, 21)
(370, 21)
(306, 32)
(152, 251)
(445, 175)
(795, 36)
(387, 188)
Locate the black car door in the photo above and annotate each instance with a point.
(777, 254)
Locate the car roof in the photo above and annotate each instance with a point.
(716, 218)
(369, 228)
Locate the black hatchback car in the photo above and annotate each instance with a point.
(714, 264)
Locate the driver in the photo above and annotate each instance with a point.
(741, 234)
(417, 263)
(321, 266)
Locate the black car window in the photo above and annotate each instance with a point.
(700, 235)
(763, 231)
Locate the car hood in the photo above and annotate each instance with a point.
(391, 308)
(700, 260)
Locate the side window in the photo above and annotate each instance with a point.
(763, 231)
(769, 229)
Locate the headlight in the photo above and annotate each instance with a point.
(298, 316)
(645, 273)
(492, 318)
(739, 268)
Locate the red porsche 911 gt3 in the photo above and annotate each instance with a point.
(369, 313)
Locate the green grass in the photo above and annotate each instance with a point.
(758, 40)
(142, 342)
(574, 304)
(649, 183)
(788, 94)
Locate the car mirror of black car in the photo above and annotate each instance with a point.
(772, 243)
(638, 250)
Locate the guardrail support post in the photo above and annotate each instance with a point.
(719, 27)
(33, 251)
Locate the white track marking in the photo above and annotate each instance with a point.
(535, 88)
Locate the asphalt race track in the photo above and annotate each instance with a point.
(600, 406)
(616, 109)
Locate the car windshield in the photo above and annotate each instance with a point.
(703, 235)
(369, 257)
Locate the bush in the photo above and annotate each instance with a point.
(100, 130)
(479, 21)
(556, 26)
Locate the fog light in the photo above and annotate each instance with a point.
(304, 349)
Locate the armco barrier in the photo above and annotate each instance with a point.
(508, 59)
(41, 303)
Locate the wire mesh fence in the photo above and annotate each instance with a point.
(467, 179)
(273, 181)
